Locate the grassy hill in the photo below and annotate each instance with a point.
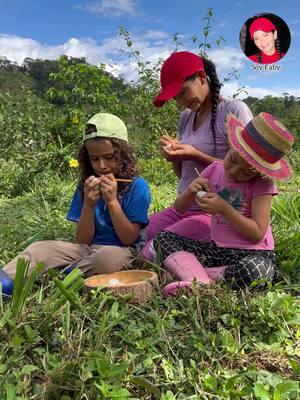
(15, 81)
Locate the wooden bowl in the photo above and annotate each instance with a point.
(139, 283)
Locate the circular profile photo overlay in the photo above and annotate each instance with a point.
(265, 38)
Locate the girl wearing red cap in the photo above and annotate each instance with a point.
(239, 198)
(264, 35)
(202, 138)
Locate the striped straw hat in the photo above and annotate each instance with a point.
(262, 143)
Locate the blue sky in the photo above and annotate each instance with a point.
(84, 28)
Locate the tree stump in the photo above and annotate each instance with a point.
(139, 283)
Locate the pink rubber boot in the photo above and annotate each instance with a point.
(172, 288)
(186, 267)
(215, 273)
(148, 252)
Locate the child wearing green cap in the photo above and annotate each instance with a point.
(110, 207)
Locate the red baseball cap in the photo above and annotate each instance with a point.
(179, 66)
(261, 24)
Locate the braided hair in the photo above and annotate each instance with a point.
(215, 87)
(277, 45)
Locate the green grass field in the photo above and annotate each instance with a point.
(59, 343)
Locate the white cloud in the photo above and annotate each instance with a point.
(229, 89)
(110, 8)
(17, 48)
(227, 58)
(108, 52)
(155, 35)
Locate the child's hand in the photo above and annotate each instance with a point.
(179, 152)
(165, 140)
(212, 203)
(91, 191)
(108, 188)
(199, 184)
(167, 144)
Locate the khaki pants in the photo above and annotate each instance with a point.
(92, 260)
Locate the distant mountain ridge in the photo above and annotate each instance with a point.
(35, 74)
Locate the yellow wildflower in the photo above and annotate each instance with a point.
(75, 119)
(73, 163)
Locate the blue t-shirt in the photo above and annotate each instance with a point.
(135, 202)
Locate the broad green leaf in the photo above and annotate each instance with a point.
(10, 392)
(146, 384)
(3, 368)
(28, 369)
(260, 392)
(284, 389)
(295, 366)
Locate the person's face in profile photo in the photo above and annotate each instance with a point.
(265, 41)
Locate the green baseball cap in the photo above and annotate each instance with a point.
(107, 126)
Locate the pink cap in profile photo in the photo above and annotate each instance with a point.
(175, 70)
(261, 24)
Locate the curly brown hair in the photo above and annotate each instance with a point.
(126, 161)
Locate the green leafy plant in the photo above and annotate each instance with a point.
(23, 285)
(286, 223)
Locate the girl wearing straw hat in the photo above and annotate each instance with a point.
(239, 199)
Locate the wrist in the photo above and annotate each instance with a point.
(89, 207)
(226, 208)
(203, 158)
(196, 155)
(113, 203)
(190, 193)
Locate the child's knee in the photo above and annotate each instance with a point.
(259, 268)
(110, 259)
(251, 271)
(160, 239)
(148, 252)
(36, 249)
